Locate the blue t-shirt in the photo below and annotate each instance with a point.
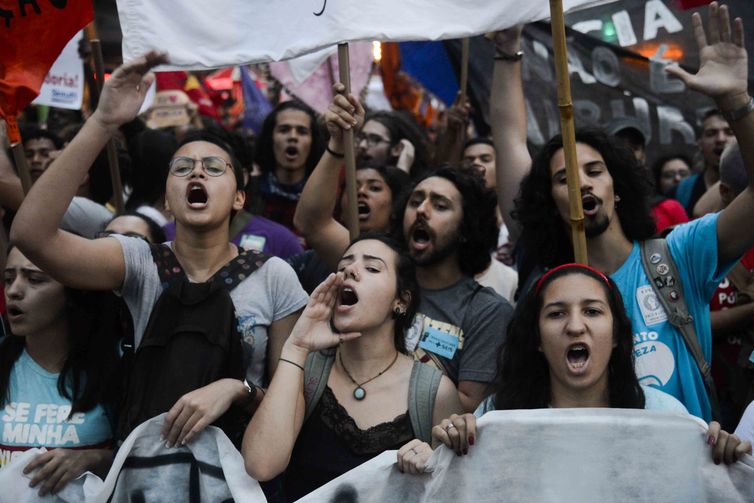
(662, 358)
(37, 416)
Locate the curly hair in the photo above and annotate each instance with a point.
(265, 155)
(544, 234)
(523, 374)
(478, 231)
(406, 283)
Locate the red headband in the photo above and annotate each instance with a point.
(574, 265)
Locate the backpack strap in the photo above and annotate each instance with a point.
(230, 275)
(422, 392)
(316, 373)
(241, 267)
(666, 283)
(239, 222)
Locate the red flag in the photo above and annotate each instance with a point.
(32, 35)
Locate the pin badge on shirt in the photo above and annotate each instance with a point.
(674, 296)
(655, 258)
(669, 281)
(659, 282)
(662, 269)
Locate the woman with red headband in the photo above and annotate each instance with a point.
(569, 344)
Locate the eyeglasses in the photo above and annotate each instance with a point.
(372, 139)
(107, 234)
(184, 166)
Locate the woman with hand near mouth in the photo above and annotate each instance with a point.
(204, 188)
(377, 187)
(57, 385)
(569, 345)
(315, 432)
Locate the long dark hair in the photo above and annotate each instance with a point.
(543, 232)
(401, 125)
(478, 231)
(406, 283)
(523, 376)
(265, 155)
(88, 375)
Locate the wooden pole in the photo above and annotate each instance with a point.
(464, 68)
(112, 151)
(352, 213)
(565, 105)
(19, 155)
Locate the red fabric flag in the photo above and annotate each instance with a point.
(32, 35)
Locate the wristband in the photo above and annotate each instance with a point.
(738, 113)
(504, 56)
(334, 153)
(292, 363)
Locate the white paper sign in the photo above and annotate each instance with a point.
(64, 84)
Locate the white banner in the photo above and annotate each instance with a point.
(199, 34)
(64, 84)
(556, 455)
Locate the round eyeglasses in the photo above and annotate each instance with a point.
(213, 166)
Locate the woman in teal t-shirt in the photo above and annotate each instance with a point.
(56, 372)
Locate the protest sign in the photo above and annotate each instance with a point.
(253, 31)
(64, 84)
(555, 455)
(32, 34)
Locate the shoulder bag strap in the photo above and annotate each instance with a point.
(665, 286)
(316, 373)
(422, 393)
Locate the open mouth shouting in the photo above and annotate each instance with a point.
(589, 204)
(421, 238)
(364, 211)
(347, 299)
(291, 153)
(577, 358)
(196, 196)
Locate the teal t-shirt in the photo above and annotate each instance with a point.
(37, 416)
(662, 358)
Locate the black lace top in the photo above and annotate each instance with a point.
(331, 444)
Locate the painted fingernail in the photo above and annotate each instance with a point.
(711, 440)
(471, 440)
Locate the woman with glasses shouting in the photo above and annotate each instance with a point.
(203, 191)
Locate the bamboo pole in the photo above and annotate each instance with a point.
(352, 214)
(464, 68)
(112, 152)
(565, 105)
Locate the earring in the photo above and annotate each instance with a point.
(617, 198)
(399, 311)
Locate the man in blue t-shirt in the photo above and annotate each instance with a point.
(615, 201)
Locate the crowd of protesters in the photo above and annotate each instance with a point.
(230, 292)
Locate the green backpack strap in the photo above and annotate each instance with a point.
(316, 373)
(422, 392)
(666, 283)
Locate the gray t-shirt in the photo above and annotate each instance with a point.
(459, 330)
(270, 293)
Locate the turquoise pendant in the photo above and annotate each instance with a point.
(359, 393)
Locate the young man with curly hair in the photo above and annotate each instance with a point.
(616, 213)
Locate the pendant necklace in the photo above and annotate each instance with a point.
(359, 392)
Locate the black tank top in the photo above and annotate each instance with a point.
(331, 444)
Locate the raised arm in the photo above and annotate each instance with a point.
(271, 434)
(723, 76)
(73, 260)
(508, 118)
(314, 212)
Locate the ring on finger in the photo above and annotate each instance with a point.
(449, 427)
(413, 450)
